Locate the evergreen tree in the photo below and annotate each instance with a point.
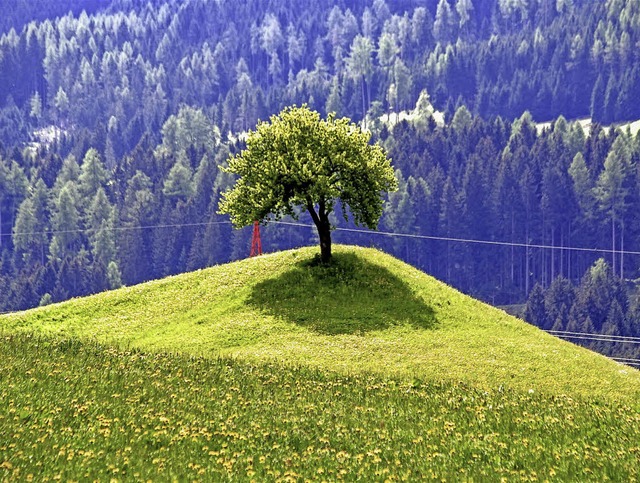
(615, 320)
(443, 27)
(535, 310)
(92, 174)
(559, 299)
(360, 67)
(583, 186)
(29, 232)
(134, 244)
(612, 190)
(179, 181)
(113, 275)
(65, 224)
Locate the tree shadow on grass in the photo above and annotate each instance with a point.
(348, 296)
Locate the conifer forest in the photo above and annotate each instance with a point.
(510, 125)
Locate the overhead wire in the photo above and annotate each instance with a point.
(116, 228)
(339, 229)
(610, 338)
(470, 240)
(628, 362)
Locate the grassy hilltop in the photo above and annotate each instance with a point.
(277, 367)
(367, 312)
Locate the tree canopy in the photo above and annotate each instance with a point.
(300, 161)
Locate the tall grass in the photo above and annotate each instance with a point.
(75, 410)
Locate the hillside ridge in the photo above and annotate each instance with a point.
(367, 312)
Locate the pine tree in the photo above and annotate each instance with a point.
(179, 181)
(113, 275)
(559, 300)
(32, 221)
(93, 175)
(443, 27)
(558, 325)
(65, 224)
(583, 186)
(597, 101)
(535, 312)
(360, 67)
(612, 190)
(615, 320)
(134, 244)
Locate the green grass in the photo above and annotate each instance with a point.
(72, 410)
(368, 312)
(280, 368)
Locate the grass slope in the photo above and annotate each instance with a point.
(367, 313)
(78, 411)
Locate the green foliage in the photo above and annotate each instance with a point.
(179, 181)
(611, 189)
(65, 222)
(535, 312)
(111, 79)
(190, 128)
(61, 102)
(113, 276)
(582, 185)
(299, 160)
(36, 106)
(45, 300)
(93, 174)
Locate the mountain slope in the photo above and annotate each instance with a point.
(368, 312)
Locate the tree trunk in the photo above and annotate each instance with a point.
(526, 261)
(321, 220)
(325, 242)
(364, 106)
(553, 255)
(622, 250)
(613, 243)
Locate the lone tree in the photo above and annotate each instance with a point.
(300, 160)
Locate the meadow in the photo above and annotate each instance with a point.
(367, 312)
(278, 368)
(72, 410)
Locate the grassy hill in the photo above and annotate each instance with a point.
(368, 312)
(277, 368)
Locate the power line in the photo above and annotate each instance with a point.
(628, 362)
(626, 359)
(351, 230)
(562, 334)
(609, 338)
(117, 228)
(594, 339)
(470, 240)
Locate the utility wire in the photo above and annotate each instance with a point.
(594, 339)
(616, 338)
(601, 338)
(470, 240)
(626, 359)
(351, 230)
(117, 228)
(628, 362)
(561, 334)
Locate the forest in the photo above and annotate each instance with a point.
(115, 116)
